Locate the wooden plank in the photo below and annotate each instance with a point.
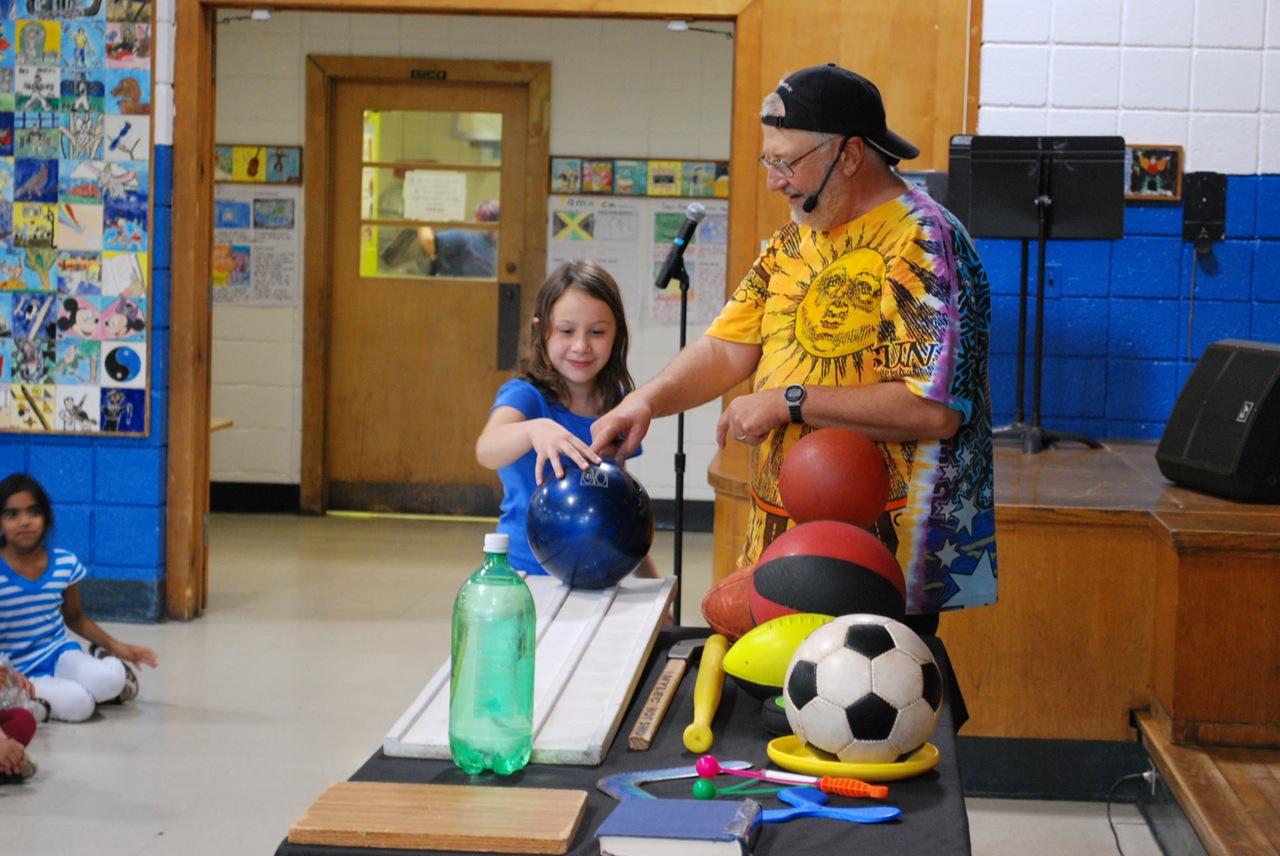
(187, 493)
(442, 817)
(1221, 819)
(592, 646)
(313, 490)
(1225, 608)
(593, 703)
(1051, 620)
(417, 733)
(702, 9)
(1249, 772)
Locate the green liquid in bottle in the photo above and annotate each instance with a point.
(491, 677)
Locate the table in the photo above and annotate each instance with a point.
(933, 821)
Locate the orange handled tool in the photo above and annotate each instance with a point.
(847, 787)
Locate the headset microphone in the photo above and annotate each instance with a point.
(811, 201)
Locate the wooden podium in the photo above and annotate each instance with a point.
(1118, 591)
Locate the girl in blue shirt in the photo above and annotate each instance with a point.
(40, 603)
(574, 369)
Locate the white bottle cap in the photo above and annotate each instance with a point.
(496, 542)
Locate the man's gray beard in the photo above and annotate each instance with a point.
(832, 198)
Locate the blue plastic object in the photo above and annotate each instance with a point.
(592, 527)
(811, 802)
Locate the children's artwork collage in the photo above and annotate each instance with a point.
(632, 177)
(75, 226)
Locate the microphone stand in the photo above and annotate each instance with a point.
(679, 273)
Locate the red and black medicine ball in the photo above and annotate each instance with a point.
(829, 568)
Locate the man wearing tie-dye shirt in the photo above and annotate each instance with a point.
(869, 311)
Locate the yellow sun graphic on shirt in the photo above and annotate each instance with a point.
(833, 317)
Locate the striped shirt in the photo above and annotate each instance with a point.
(31, 626)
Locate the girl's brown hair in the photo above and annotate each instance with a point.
(614, 381)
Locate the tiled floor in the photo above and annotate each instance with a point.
(319, 633)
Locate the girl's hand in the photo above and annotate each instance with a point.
(8, 674)
(136, 654)
(550, 440)
(12, 755)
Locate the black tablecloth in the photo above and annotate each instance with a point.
(933, 812)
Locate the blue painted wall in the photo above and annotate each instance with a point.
(109, 493)
(1121, 330)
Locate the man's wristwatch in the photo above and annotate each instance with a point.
(794, 396)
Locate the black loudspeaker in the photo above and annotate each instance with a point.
(1224, 434)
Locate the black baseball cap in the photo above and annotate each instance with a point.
(833, 100)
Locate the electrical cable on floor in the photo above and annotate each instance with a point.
(1111, 795)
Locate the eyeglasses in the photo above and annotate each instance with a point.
(787, 169)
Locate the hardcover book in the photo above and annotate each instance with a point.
(644, 827)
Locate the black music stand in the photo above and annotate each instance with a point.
(1039, 188)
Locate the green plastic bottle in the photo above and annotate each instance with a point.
(491, 672)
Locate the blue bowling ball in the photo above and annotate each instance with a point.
(592, 527)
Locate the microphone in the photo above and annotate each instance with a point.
(692, 217)
(811, 201)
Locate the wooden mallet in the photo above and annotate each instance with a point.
(655, 707)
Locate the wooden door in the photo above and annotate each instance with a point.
(417, 344)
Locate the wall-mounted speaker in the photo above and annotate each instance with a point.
(1223, 436)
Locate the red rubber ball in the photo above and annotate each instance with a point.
(834, 474)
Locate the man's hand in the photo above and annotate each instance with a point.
(617, 434)
(550, 440)
(750, 418)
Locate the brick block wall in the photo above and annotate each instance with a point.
(1122, 330)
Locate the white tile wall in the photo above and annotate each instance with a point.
(618, 88)
(1016, 20)
(1014, 121)
(1156, 79)
(1086, 22)
(1187, 72)
(1082, 122)
(1142, 127)
(1234, 24)
(1223, 141)
(1167, 23)
(1271, 81)
(1085, 77)
(1226, 80)
(1269, 143)
(1014, 75)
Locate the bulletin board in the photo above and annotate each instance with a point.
(631, 236)
(257, 244)
(75, 217)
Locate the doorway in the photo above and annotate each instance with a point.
(430, 245)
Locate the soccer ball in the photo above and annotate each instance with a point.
(864, 688)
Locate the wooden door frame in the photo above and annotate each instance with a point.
(186, 549)
(323, 73)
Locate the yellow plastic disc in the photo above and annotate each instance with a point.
(791, 753)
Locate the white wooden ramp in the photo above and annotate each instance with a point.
(592, 646)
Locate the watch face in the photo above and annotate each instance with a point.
(794, 394)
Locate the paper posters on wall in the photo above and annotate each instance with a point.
(631, 237)
(257, 244)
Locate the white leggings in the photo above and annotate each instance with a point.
(79, 682)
